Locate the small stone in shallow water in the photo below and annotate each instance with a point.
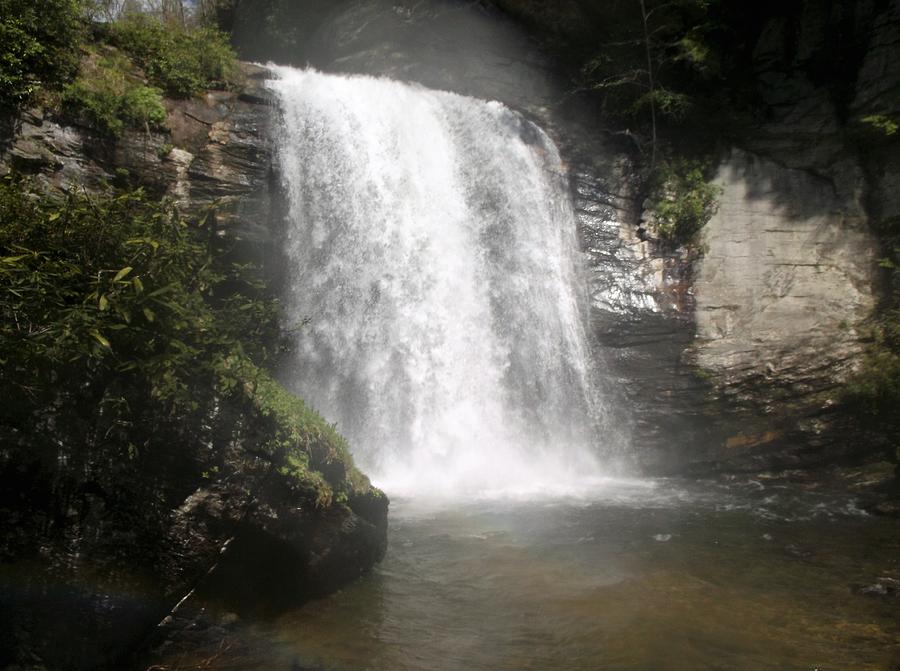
(662, 538)
(229, 619)
(888, 508)
(767, 537)
(797, 551)
(881, 587)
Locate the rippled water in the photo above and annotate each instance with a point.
(642, 576)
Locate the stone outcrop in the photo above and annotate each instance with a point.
(114, 582)
(785, 281)
(733, 354)
(247, 539)
(215, 154)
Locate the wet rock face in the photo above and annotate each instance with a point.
(215, 153)
(734, 357)
(641, 311)
(785, 281)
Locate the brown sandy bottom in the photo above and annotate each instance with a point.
(640, 577)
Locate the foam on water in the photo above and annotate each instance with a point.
(431, 247)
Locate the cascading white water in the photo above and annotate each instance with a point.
(431, 249)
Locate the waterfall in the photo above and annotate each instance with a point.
(432, 259)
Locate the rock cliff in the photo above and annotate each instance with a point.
(743, 344)
(731, 354)
(215, 151)
(134, 575)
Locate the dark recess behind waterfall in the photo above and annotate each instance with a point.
(290, 32)
(465, 47)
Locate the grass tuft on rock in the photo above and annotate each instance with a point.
(110, 95)
(682, 199)
(180, 60)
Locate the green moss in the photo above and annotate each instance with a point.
(110, 96)
(704, 375)
(164, 150)
(180, 61)
(882, 124)
(682, 199)
(308, 449)
(875, 390)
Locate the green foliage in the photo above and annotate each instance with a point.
(181, 61)
(38, 47)
(670, 103)
(693, 50)
(653, 61)
(110, 96)
(882, 124)
(876, 389)
(314, 454)
(682, 199)
(110, 285)
(128, 344)
(165, 150)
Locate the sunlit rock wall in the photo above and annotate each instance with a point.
(215, 153)
(784, 281)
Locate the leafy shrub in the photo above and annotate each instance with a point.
(110, 97)
(883, 124)
(875, 391)
(682, 200)
(179, 60)
(38, 47)
(129, 351)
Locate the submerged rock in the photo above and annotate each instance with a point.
(889, 508)
(798, 551)
(883, 587)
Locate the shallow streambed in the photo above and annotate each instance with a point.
(639, 576)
